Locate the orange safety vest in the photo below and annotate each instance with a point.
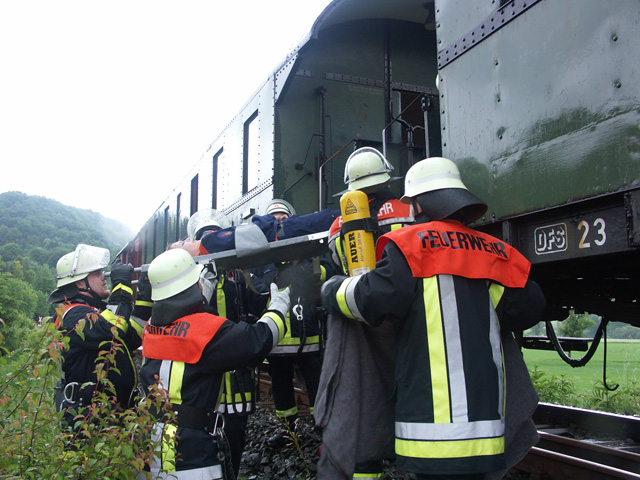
(68, 306)
(448, 247)
(183, 340)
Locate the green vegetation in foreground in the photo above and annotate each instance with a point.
(108, 442)
(558, 382)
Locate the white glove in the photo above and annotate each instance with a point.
(280, 301)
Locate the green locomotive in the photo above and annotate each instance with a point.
(537, 101)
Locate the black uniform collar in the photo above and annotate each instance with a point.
(180, 305)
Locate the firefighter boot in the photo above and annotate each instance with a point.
(283, 435)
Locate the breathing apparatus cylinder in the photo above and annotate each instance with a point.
(357, 232)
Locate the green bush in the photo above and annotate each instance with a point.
(554, 389)
(558, 389)
(106, 443)
(622, 400)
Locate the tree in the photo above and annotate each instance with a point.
(575, 325)
(17, 298)
(10, 251)
(18, 303)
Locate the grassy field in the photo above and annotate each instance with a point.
(623, 365)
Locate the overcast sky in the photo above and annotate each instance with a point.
(106, 105)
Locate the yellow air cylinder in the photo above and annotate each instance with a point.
(359, 245)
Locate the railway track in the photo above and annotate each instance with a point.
(575, 444)
(557, 457)
(583, 444)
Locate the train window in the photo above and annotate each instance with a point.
(178, 217)
(166, 227)
(194, 194)
(155, 237)
(214, 179)
(148, 240)
(145, 244)
(412, 119)
(250, 154)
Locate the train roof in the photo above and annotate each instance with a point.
(340, 11)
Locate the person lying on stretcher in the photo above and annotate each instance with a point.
(271, 227)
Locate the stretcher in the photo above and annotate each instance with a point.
(253, 250)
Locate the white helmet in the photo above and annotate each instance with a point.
(437, 183)
(204, 220)
(365, 168)
(81, 262)
(172, 272)
(277, 205)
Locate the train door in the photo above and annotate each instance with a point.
(419, 125)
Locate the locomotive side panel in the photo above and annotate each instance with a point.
(538, 115)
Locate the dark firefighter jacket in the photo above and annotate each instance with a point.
(80, 356)
(189, 351)
(449, 290)
(303, 320)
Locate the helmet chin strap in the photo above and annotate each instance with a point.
(88, 289)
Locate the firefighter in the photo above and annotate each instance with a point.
(357, 377)
(455, 295)
(300, 350)
(82, 290)
(188, 351)
(226, 294)
(369, 171)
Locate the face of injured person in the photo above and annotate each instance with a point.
(280, 216)
(191, 246)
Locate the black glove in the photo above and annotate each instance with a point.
(143, 303)
(284, 275)
(298, 273)
(307, 271)
(121, 292)
(143, 288)
(121, 274)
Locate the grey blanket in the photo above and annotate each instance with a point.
(355, 405)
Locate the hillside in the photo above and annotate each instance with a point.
(43, 229)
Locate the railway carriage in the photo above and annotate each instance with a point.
(537, 101)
